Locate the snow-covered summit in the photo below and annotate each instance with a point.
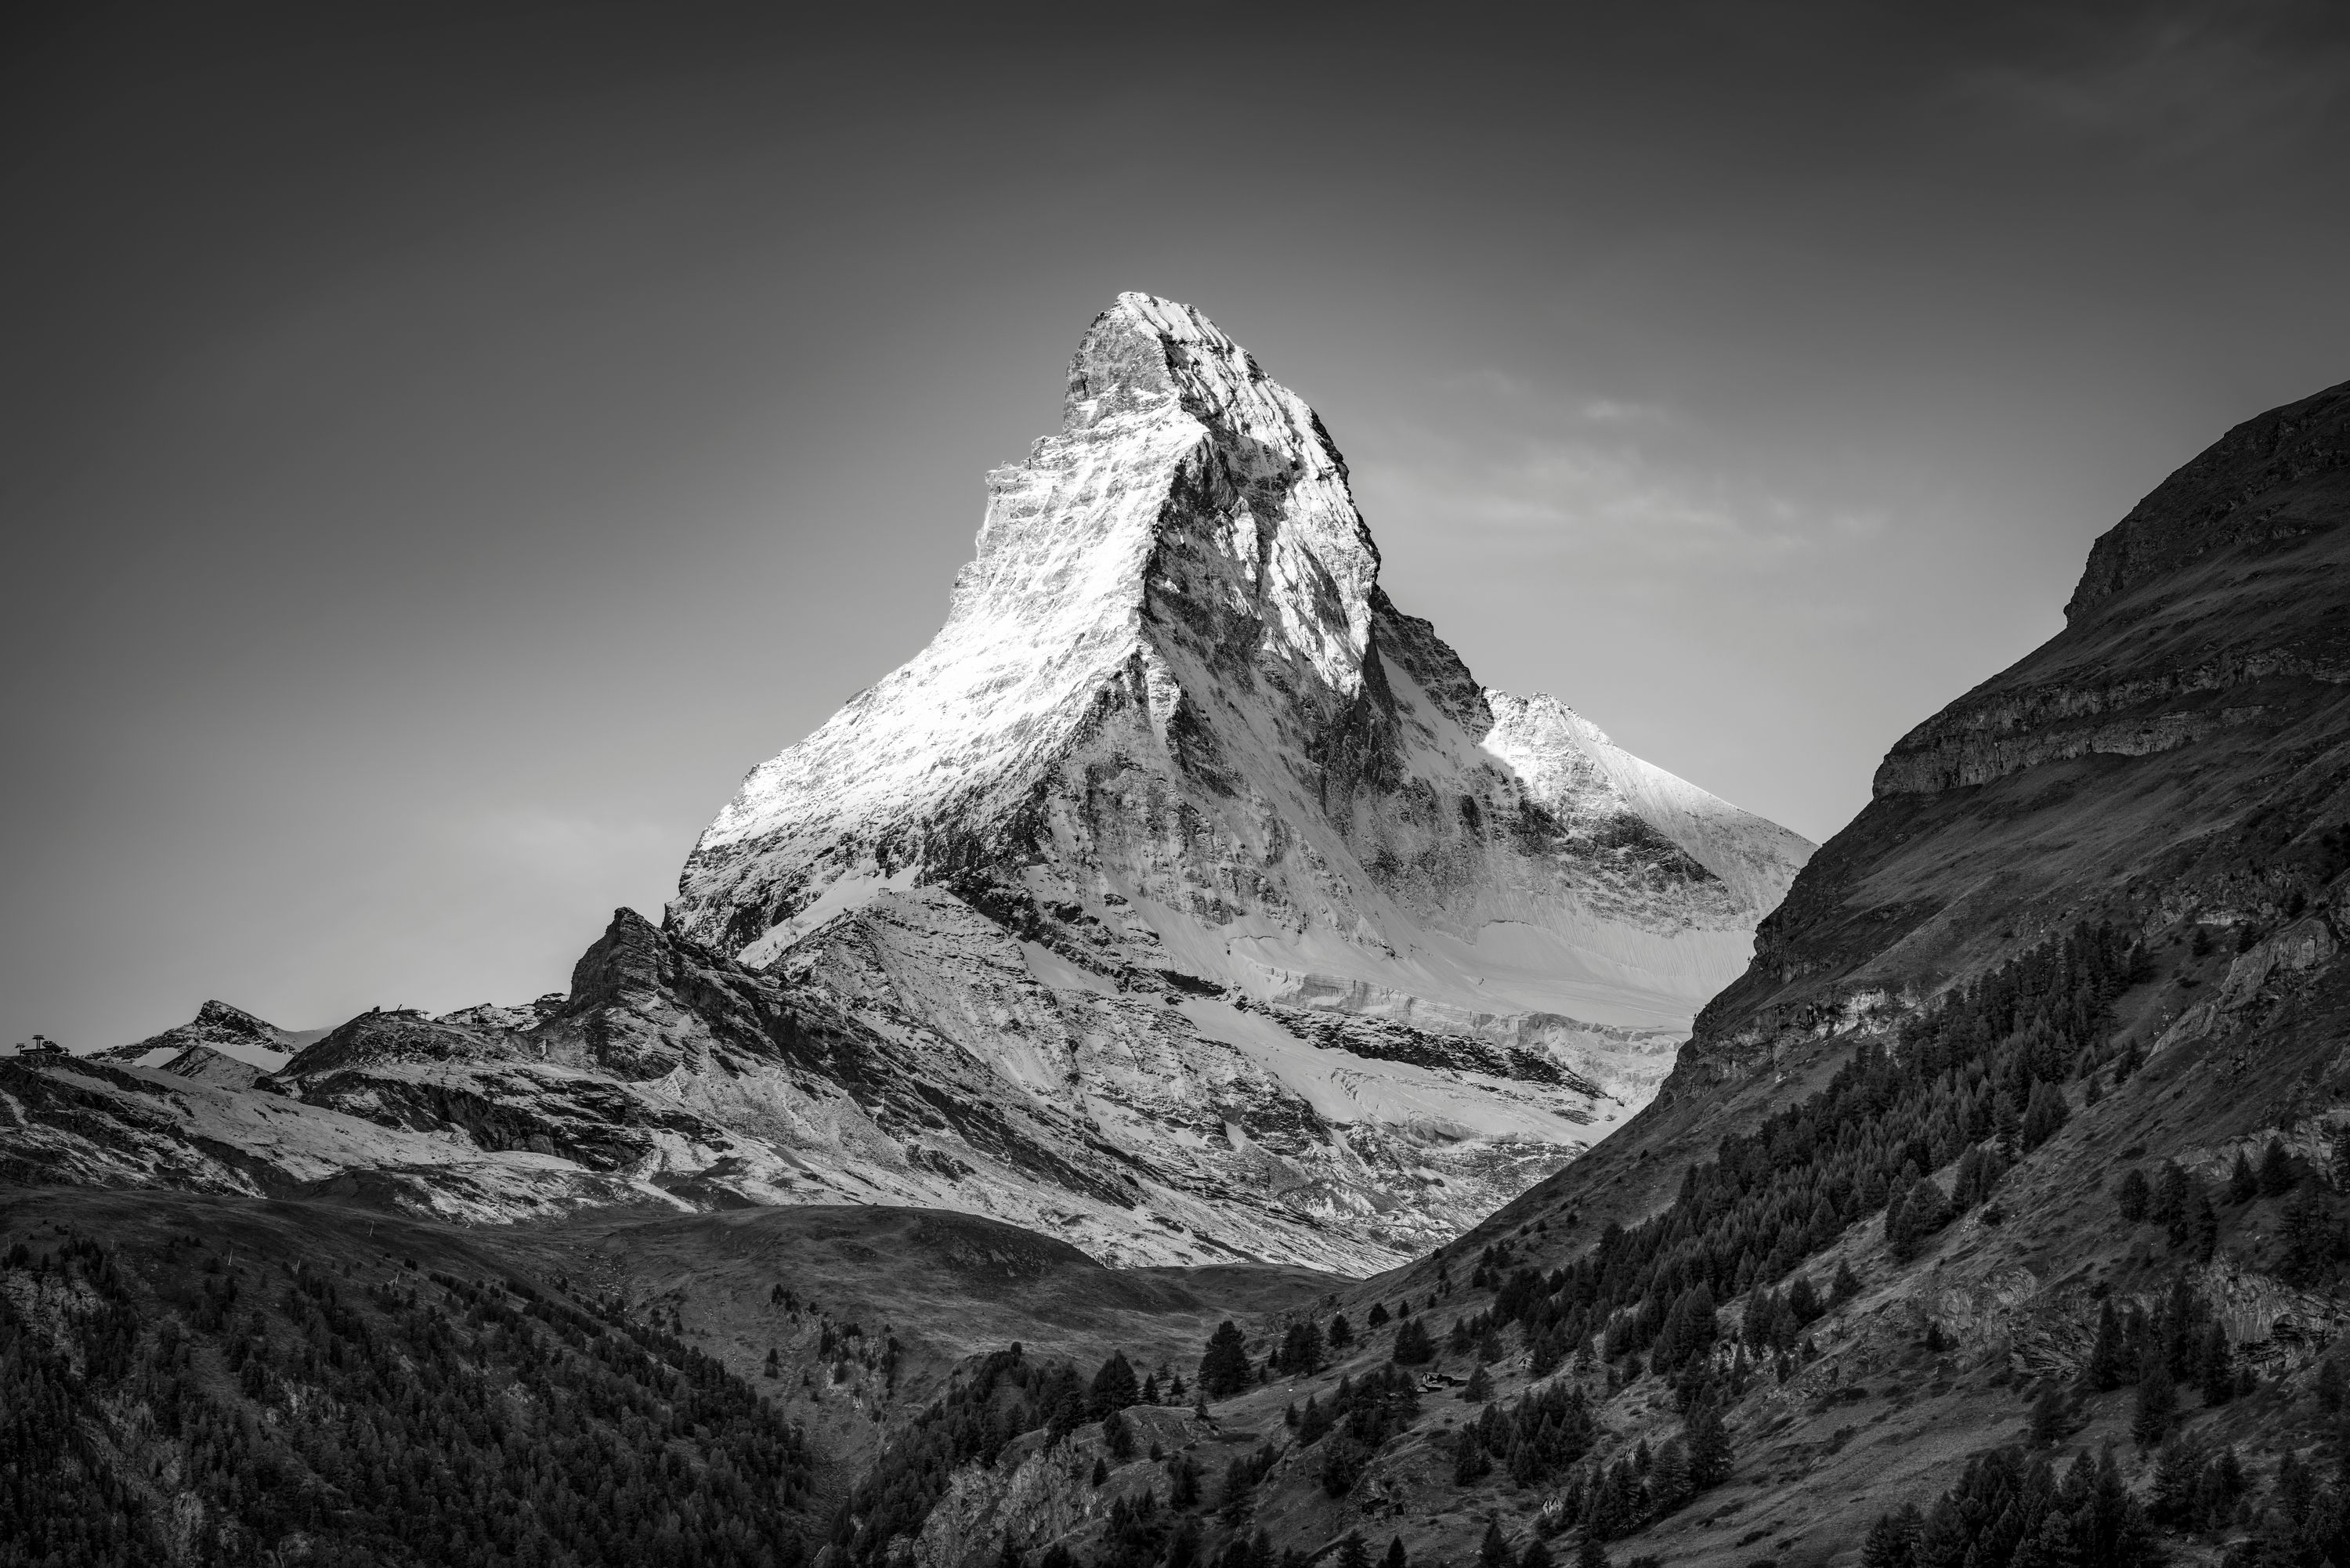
(1563, 755)
(1168, 421)
(1175, 743)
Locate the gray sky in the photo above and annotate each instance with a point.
(446, 448)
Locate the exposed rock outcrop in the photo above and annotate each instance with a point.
(1178, 821)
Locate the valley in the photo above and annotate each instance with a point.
(1241, 959)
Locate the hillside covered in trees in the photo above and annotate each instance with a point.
(197, 1406)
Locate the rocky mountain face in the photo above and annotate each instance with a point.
(1180, 829)
(2088, 931)
(1184, 899)
(221, 1045)
(2174, 753)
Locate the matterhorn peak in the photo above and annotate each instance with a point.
(1183, 900)
(1145, 354)
(1185, 830)
(1189, 510)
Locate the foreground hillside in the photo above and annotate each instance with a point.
(185, 1381)
(241, 1379)
(2079, 957)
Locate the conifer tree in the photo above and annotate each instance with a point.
(2242, 1185)
(2133, 1195)
(2051, 1417)
(1182, 1481)
(1493, 1550)
(2309, 1240)
(1942, 1541)
(1352, 1553)
(1224, 1368)
(1481, 1388)
(1470, 1463)
(2103, 1369)
(1892, 1541)
(2276, 1169)
(2216, 1368)
(1710, 1456)
(2055, 1543)
(2200, 1231)
(2170, 1496)
(1301, 1350)
(2046, 1113)
(1593, 1552)
(2157, 1404)
(1969, 1187)
(2007, 1120)
(1115, 1387)
(1846, 1285)
(2169, 1205)
(1396, 1556)
(1669, 1484)
(1915, 1216)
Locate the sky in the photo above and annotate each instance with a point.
(442, 448)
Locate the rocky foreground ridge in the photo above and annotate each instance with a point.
(2089, 933)
(1184, 899)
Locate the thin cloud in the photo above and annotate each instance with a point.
(1620, 484)
(1609, 411)
(2177, 83)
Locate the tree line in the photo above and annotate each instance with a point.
(410, 1419)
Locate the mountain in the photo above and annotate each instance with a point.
(221, 1045)
(2009, 1181)
(2052, 1030)
(1184, 833)
(1184, 899)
